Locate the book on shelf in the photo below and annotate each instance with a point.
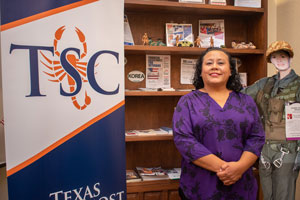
(174, 173)
(248, 3)
(132, 176)
(156, 89)
(192, 1)
(212, 32)
(184, 32)
(152, 173)
(217, 2)
(167, 129)
(128, 39)
(148, 132)
(158, 71)
(131, 132)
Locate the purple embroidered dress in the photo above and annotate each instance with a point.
(201, 127)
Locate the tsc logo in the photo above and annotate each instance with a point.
(66, 65)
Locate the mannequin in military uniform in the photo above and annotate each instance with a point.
(277, 170)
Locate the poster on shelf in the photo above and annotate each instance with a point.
(212, 32)
(187, 70)
(181, 32)
(158, 70)
(63, 99)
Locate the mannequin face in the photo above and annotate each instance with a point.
(280, 60)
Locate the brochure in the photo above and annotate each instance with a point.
(217, 2)
(128, 39)
(187, 70)
(248, 3)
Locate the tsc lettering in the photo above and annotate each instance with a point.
(34, 69)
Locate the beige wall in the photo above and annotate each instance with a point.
(282, 25)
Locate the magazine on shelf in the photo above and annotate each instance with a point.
(212, 31)
(128, 39)
(167, 129)
(158, 70)
(248, 3)
(183, 31)
(187, 70)
(152, 173)
(149, 132)
(192, 1)
(131, 132)
(217, 2)
(132, 176)
(174, 173)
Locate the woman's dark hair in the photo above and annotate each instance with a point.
(233, 83)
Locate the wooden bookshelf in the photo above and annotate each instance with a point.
(154, 109)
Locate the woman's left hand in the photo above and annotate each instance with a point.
(230, 173)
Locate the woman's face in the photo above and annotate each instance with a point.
(215, 68)
(280, 60)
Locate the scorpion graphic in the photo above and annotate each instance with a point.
(58, 74)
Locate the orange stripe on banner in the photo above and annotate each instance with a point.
(44, 14)
(63, 140)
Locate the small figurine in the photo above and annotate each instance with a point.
(242, 45)
(233, 44)
(145, 39)
(251, 45)
(198, 42)
(211, 41)
(177, 40)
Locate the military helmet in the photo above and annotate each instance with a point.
(277, 46)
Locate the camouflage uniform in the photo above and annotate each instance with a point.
(278, 179)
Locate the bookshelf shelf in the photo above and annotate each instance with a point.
(140, 49)
(156, 93)
(148, 138)
(143, 186)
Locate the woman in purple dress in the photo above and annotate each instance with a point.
(218, 132)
